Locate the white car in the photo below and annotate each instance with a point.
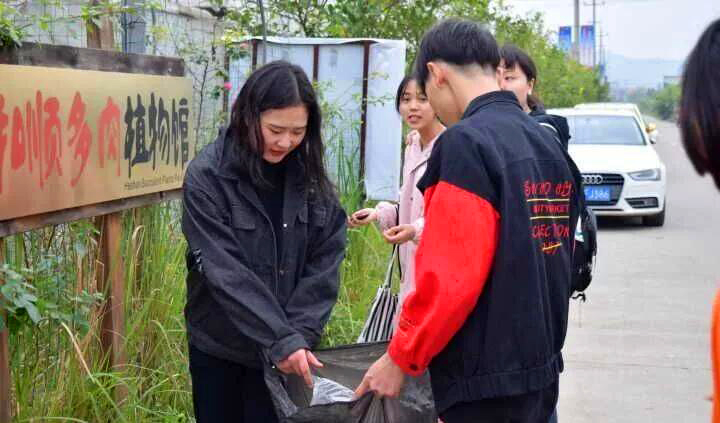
(650, 128)
(622, 173)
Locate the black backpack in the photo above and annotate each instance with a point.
(585, 248)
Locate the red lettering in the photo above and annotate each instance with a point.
(17, 150)
(3, 138)
(546, 188)
(109, 130)
(561, 231)
(540, 231)
(81, 138)
(564, 189)
(52, 135)
(32, 136)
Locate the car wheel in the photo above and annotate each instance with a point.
(655, 220)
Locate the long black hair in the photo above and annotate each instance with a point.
(699, 116)
(278, 85)
(513, 55)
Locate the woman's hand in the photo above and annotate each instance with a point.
(399, 234)
(299, 363)
(362, 217)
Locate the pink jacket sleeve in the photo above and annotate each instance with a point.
(419, 225)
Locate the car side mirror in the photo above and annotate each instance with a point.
(652, 132)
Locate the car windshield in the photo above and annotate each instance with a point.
(604, 130)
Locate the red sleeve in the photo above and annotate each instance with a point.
(451, 266)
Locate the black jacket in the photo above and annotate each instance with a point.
(556, 125)
(243, 296)
(510, 344)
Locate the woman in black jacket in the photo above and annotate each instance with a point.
(520, 77)
(266, 236)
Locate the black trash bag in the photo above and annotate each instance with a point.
(330, 400)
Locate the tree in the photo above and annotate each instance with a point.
(562, 81)
(665, 102)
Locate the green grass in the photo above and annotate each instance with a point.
(57, 369)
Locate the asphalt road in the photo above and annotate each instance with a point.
(638, 349)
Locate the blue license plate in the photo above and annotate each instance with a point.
(597, 193)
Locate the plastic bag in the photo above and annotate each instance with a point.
(331, 399)
(326, 391)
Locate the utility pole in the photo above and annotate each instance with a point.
(602, 60)
(576, 40)
(594, 4)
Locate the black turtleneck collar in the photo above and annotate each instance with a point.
(274, 173)
(490, 98)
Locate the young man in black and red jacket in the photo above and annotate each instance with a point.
(489, 314)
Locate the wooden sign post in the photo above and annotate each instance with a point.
(112, 283)
(89, 133)
(5, 380)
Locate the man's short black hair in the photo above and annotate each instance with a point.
(457, 42)
(699, 116)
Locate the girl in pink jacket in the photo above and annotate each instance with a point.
(403, 223)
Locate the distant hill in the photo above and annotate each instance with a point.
(627, 72)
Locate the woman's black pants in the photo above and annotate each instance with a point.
(224, 391)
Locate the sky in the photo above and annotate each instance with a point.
(641, 29)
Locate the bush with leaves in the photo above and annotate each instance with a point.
(562, 81)
(664, 103)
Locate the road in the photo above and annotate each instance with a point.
(638, 349)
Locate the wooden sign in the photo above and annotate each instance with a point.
(71, 138)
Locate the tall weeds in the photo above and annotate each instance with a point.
(58, 370)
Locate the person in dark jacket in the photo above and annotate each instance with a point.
(266, 236)
(493, 272)
(520, 76)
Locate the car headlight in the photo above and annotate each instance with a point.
(646, 175)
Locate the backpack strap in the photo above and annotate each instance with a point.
(578, 180)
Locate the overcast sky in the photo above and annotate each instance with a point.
(643, 29)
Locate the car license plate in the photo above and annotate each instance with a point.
(597, 193)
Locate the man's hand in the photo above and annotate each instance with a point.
(399, 234)
(384, 377)
(299, 363)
